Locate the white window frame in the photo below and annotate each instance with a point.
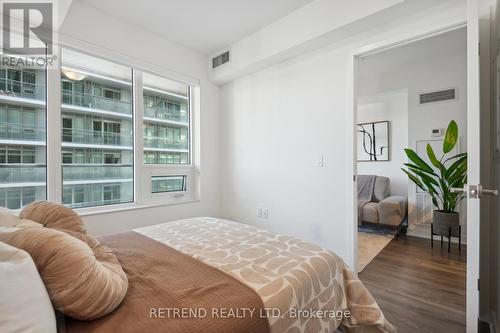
(143, 197)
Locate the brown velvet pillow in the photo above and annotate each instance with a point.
(83, 277)
(53, 215)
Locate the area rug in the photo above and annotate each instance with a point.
(370, 243)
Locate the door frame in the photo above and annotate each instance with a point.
(472, 308)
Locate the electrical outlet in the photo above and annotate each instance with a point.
(265, 213)
(259, 212)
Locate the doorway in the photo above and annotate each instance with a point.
(407, 96)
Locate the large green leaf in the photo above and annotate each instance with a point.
(460, 172)
(425, 177)
(459, 182)
(451, 137)
(455, 165)
(416, 167)
(456, 156)
(433, 159)
(415, 180)
(417, 160)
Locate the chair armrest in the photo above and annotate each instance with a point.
(392, 210)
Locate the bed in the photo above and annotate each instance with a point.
(213, 275)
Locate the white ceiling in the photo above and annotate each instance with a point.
(427, 48)
(205, 26)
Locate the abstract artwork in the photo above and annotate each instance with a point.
(373, 141)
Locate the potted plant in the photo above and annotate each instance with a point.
(439, 179)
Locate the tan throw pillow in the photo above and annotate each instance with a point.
(84, 279)
(53, 215)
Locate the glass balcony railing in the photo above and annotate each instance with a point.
(96, 137)
(99, 203)
(100, 172)
(96, 102)
(165, 114)
(22, 174)
(22, 89)
(23, 132)
(162, 142)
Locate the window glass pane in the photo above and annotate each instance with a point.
(13, 155)
(67, 157)
(166, 120)
(28, 195)
(161, 184)
(28, 156)
(14, 197)
(22, 134)
(67, 195)
(99, 170)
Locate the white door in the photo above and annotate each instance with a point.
(473, 167)
(478, 117)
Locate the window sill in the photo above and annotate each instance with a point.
(89, 211)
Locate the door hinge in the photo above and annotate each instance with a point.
(478, 284)
(353, 178)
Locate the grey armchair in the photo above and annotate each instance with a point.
(382, 209)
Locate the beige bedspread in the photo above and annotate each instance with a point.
(305, 287)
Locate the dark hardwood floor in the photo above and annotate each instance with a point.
(418, 288)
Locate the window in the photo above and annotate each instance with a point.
(97, 144)
(97, 135)
(168, 184)
(166, 121)
(22, 135)
(13, 155)
(67, 157)
(112, 93)
(167, 139)
(28, 156)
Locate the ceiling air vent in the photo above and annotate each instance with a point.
(220, 59)
(437, 96)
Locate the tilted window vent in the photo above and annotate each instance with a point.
(438, 96)
(220, 60)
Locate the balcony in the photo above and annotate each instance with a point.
(100, 172)
(96, 102)
(22, 174)
(164, 143)
(165, 114)
(96, 137)
(15, 88)
(10, 131)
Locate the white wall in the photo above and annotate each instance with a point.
(393, 107)
(275, 122)
(91, 30)
(443, 70)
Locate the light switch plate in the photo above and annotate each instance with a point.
(259, 212)
(318, 161)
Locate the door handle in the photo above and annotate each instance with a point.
(492, 193)
(458, 190)
(474, 191)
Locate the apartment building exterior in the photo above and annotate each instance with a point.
(96, 136)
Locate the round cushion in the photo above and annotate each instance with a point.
(83, 277)
(53, 215)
